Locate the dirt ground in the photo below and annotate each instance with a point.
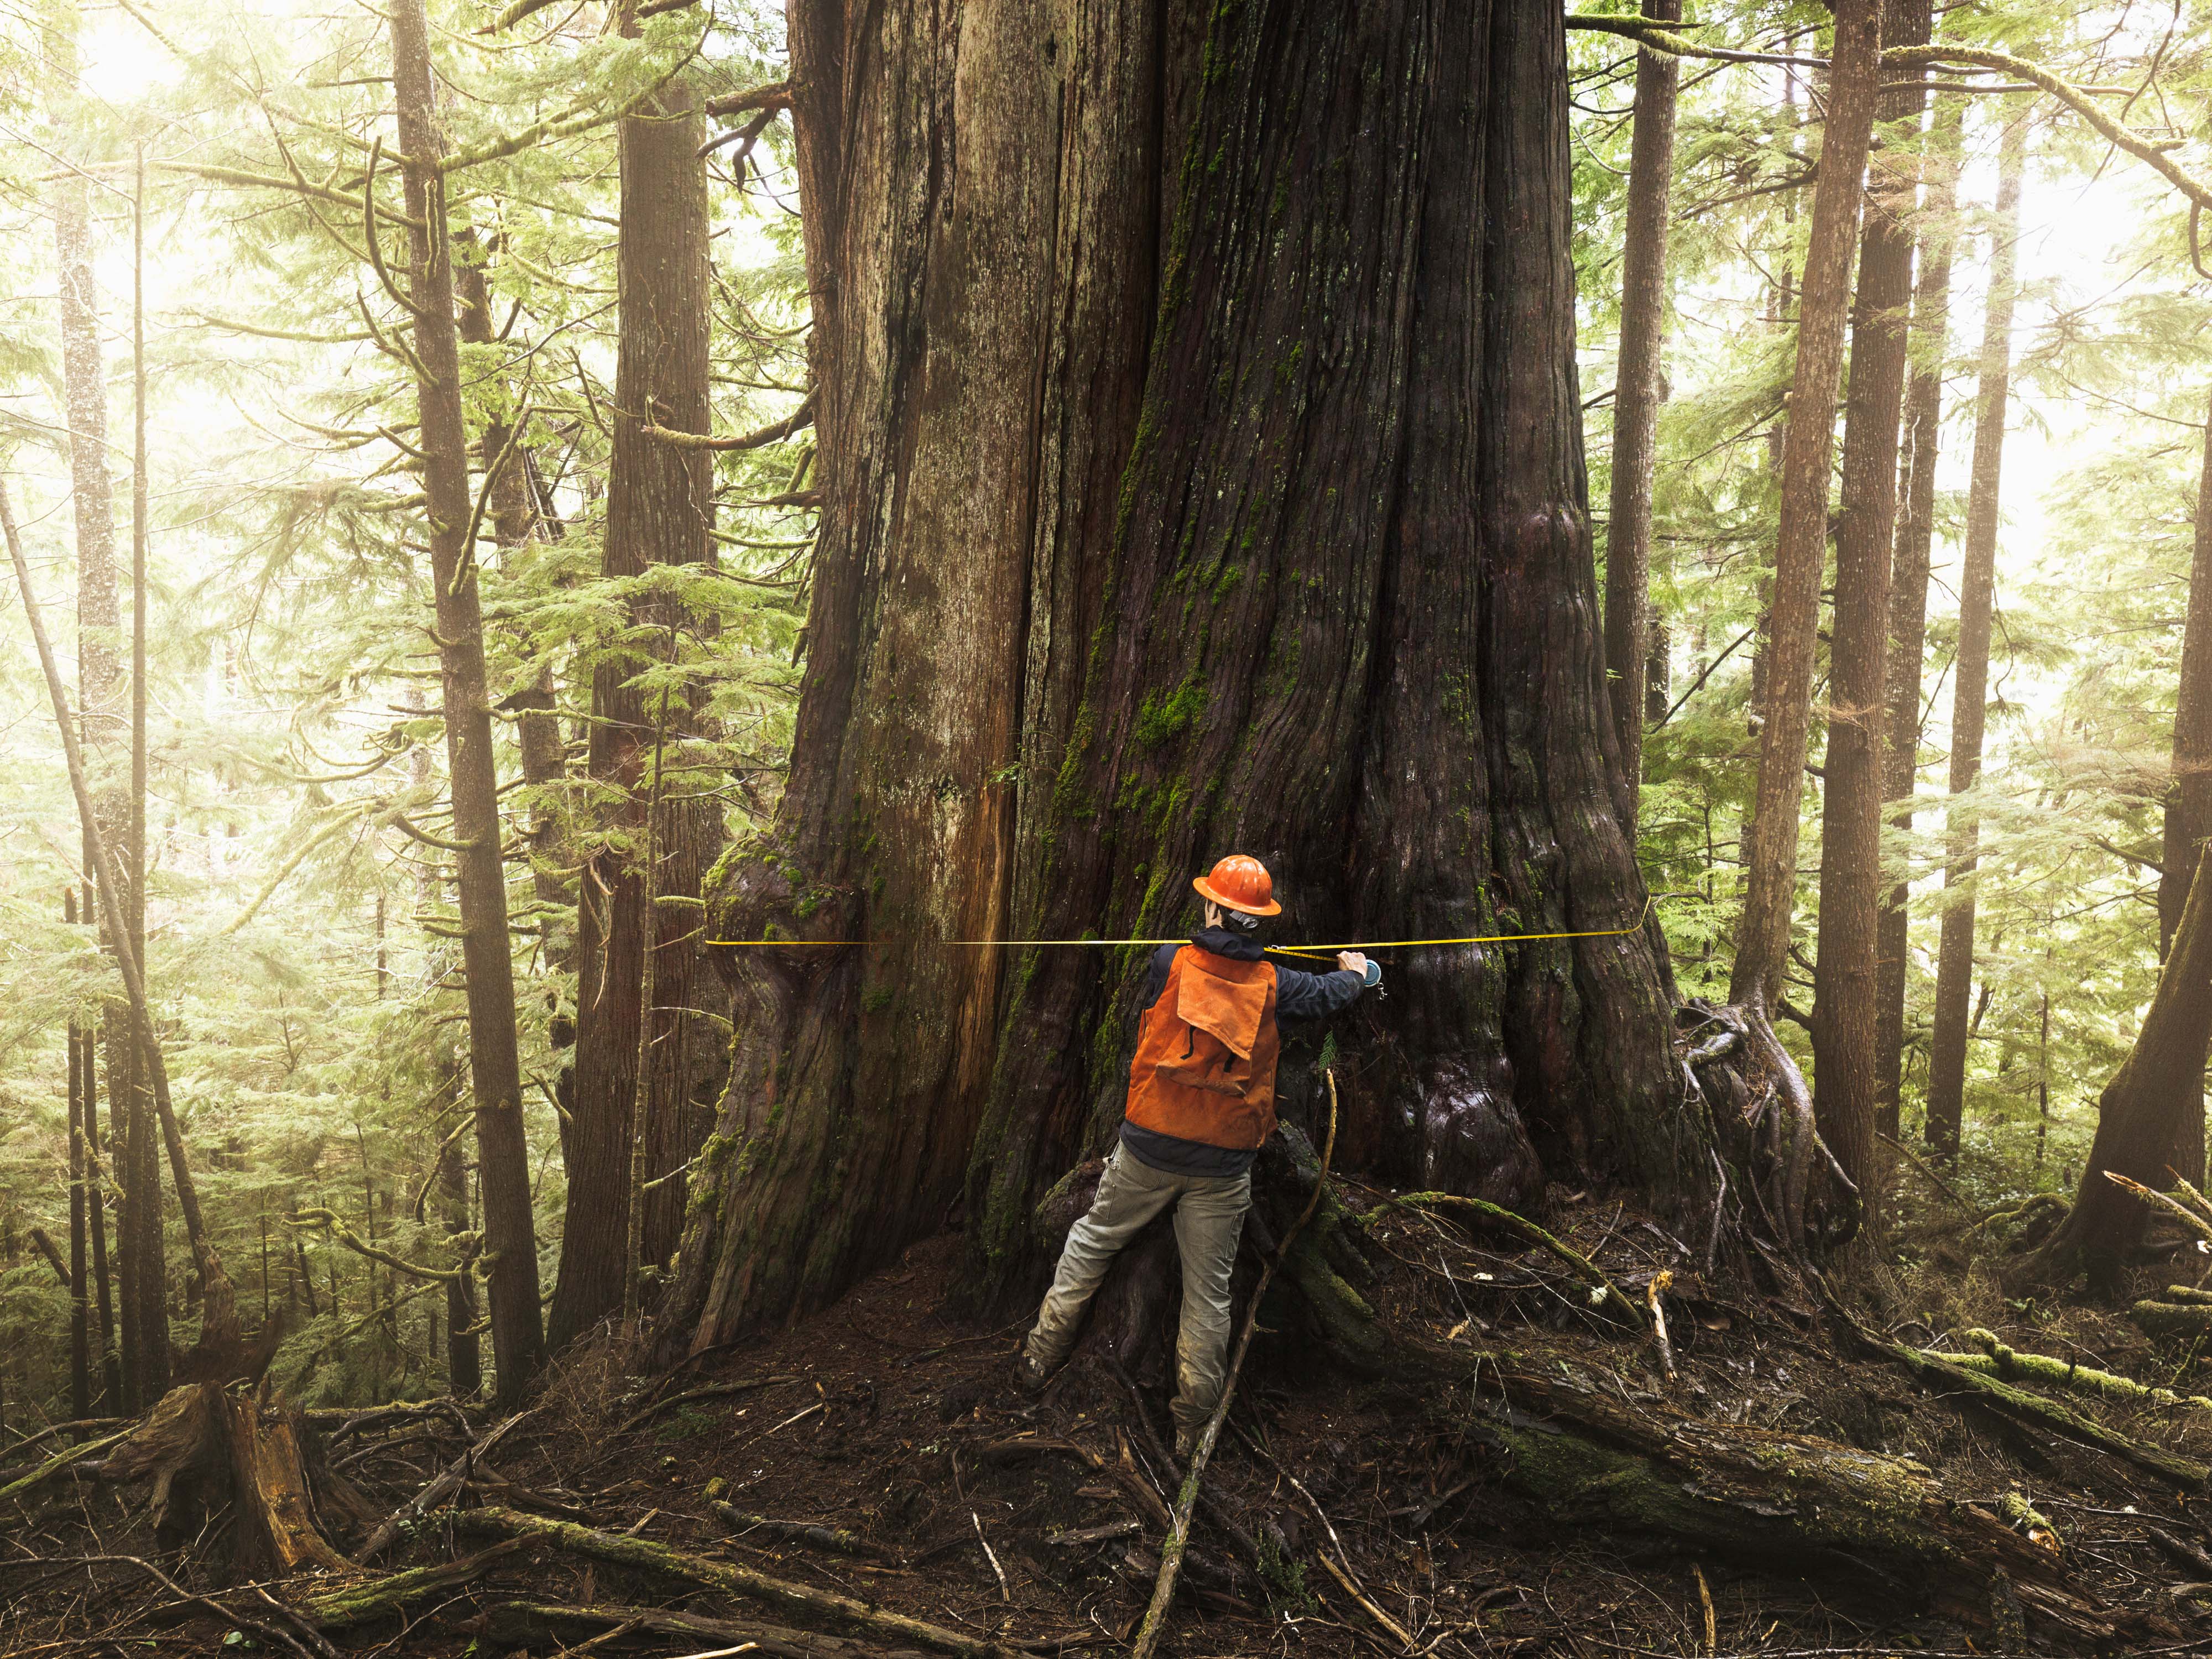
(1374, 1512)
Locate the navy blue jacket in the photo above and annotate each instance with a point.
(1298, 996)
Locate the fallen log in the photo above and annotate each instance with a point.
(375, 1598)
(1588, 1458)
(60, 1461)
(722, 1576)
(1996, 1359)
(1943, 1373)
(529, 1623)
(2180, 1321)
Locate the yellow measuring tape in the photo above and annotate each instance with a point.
(1282, 950)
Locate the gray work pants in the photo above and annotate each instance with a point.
(1209, 1215)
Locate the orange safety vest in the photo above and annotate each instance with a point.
(1205, 1069)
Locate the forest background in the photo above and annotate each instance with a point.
(300, 848)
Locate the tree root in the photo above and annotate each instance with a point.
(833, 1539)
(2172, 1318)
(1996, 1359)
(722, 1576)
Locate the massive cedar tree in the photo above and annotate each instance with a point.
(1202, 469)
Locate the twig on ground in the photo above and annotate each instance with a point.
(723, 1576)
(1005, 1593)
(713, 1391)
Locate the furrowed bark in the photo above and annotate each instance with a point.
(1636, 400)
(1801, 541)
(503, 1152)
(463, 1358)
(660, 512)
(1846, 1001)
(1326, 593)
(80, 1285)
(1954, 964)
(2149, 1101)
(1908, 598)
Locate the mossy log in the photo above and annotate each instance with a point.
(801, 1599)
(2181, 1322)
(1996, 1359)
(60, 1461)
(516, 1624)
(1944, 1373)
(1587, 1458)
(378, 1598)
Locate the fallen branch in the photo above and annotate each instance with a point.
(54, 1464)
(1178, 1538)
(722, 1576)
(435, 1494)
(357, 1604)
(2021, 1406)
(1603, 1288)
(836, 1538)
(712, 1391)
(1998, 1360)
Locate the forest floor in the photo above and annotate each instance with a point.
(888, 1425)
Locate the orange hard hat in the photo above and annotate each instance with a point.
(1240, 882)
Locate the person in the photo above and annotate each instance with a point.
(1201, 1103)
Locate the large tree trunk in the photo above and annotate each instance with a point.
(2151, 1099)
(660, 512)
(1323, 591)
(1802, 537)
(1908, 596)
(1970, 679)
(1628, 633)
(2188, 798)
(502, 1151)
(1845, 1000)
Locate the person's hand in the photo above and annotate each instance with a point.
(1352, 962)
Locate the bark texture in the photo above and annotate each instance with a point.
(1636, 398)
(1800, 540)
(2155, 1093)
(1970, 682)
(2189, 797)
(660, 512)
(1908, 594)
(1846, 997)
(1295, 559)
(502, 1152)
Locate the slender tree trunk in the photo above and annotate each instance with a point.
(1845, 997)
(111, 1369)
(513, 512)
(1295, 561)
(1970, 679)
(464, 1366)
(1908, 598)
(502, 1149)
(1800, 540)
(219, 1321)
(659, 511)
(80, 1283)
(1636, 402)
(2188, 798)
